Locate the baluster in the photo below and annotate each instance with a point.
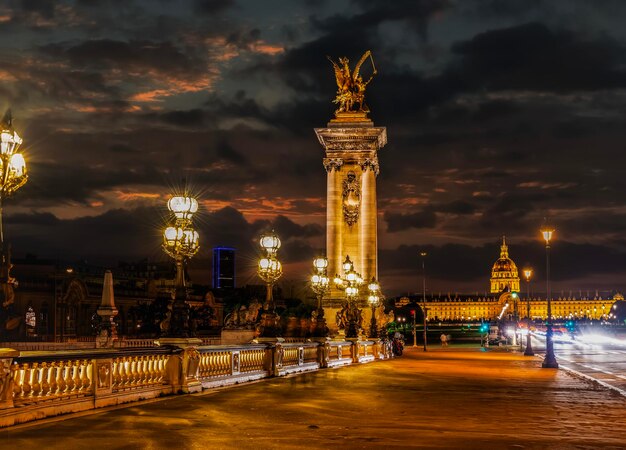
(35, 382)
(18, 374)
(162, 364)
(143, 374)
(26, 387)
(52, 379)
(124, 375)
(78, 382)
(134, 370)
(116, 377)
(68, 376)
(62, 385)
(85, 375)
(45, 383)
(149, 369)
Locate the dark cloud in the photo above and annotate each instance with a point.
(399, 222)
(532, 56)
(211, 7)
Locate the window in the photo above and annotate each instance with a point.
(30, 317)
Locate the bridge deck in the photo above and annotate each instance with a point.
(452, 398)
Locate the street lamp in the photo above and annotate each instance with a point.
(12, 177)
(528, 273)
(549, 361)
(373, 299)
(270, 270)
(350, 315)
(424, 310)
(320, 285)
(180, 242)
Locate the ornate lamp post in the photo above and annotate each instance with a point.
(549, 361)
(181, 242)
(350, 315)
(528, 273)
(373, 299)
(270, 270)
(320, 285)
(12, 177)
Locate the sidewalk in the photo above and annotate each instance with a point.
(452, 398)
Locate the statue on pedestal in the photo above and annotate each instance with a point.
(350, 86)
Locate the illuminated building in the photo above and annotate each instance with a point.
(505, 281)
(223, 268)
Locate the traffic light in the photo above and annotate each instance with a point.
(484, 327)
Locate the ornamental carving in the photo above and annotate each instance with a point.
(371, 164)
(104, 375)
(331, 164)
(351, 199)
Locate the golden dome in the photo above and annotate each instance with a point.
(504, 272)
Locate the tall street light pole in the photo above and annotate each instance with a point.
(549, 361)
(180, 242)
(320, 284)
(424, 310)
(270, 270)
(528, 273)
(373, 299)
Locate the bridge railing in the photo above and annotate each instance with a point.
(34, 385)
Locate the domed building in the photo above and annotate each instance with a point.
(504, 275)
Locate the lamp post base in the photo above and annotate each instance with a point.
(529, 347)
(549, 362)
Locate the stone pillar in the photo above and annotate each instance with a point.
(182, 369)
(6, 377)
(351, 143)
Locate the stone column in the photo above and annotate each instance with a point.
(369, 219)
(334, 221)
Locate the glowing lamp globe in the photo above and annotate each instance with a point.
(373, 286)
(171, 235)
(528, 273)
(17, 165)
(547, 233)
(372, 299)
(351, 276)
(320, 263)
(347, 264)
(316, 279)
(9, 141)
(182, 207)
(270, 243)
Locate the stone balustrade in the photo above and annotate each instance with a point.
(34, 385)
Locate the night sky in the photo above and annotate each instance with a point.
(498, 113)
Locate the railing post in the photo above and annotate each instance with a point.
(102, 376)
(182, 369)
(6, 377)
(323, 353)
(278, 352)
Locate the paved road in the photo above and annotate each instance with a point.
(605, 363)
(445, 398)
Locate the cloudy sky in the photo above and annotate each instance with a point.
(499, 113)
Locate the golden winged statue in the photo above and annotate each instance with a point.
(350, 86)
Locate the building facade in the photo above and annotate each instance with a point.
(507, 300)
(223, 268)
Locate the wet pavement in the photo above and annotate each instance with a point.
(445, 398)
